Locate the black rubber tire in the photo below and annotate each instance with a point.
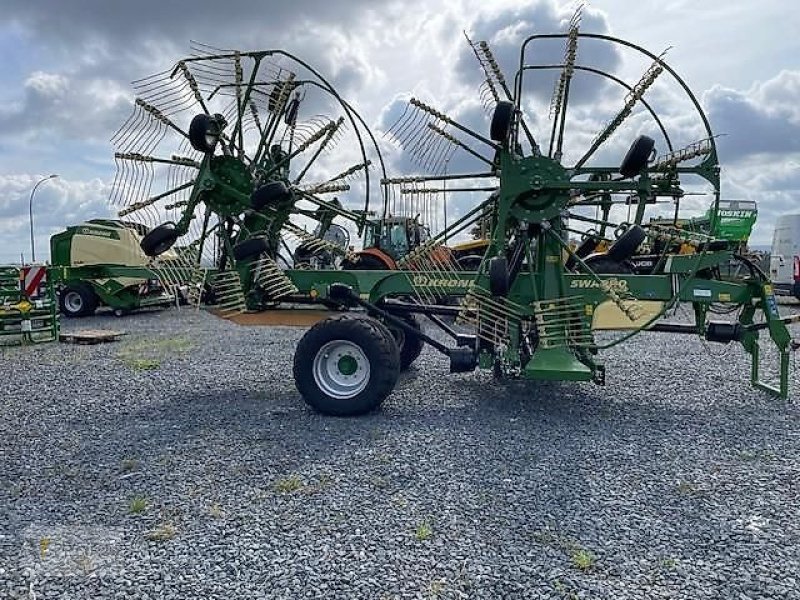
(376, 343)
(502, 119)
(159, 240)
(409, 346)
(585, 248)
(626, 245)
(602, 264)
(88, 300)
(637, 156)
(498, 276)
(200, 126)
(249, 249)
(270, 194)
(471, 262)
(365, 262)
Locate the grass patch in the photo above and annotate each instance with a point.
(129, 464)
(288, 485)
(668, 563)
(437, 588)
(147, 355)
(564, 590)
(162, 533)
(44, 544)
(423, 532)
(142, 364)
(137, 505)
(756, 454)
(582, 559)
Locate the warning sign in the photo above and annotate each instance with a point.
(31, 278)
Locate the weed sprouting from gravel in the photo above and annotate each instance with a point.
(564, 590)
(162, 533)
(668, 563)
(129, 464)
(423, 532)
(137, 505)
(289, 484)
(436, 588)
(761, 454)
(582, 559)
(44, 544)
(142, 364)
(147, 355)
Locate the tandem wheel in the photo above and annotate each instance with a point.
(346, 365)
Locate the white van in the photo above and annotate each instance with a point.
(784, 263)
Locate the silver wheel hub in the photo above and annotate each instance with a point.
(73, 302)
(341, 369)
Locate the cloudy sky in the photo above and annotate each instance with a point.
(66, 72)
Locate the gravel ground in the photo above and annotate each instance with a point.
(182, 463)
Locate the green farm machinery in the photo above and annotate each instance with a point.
(246, 168)
(28, 311)
(536, 301)
(100, 263)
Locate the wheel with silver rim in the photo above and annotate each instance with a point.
(77, 300)
(346, 365)
(341, 370)
(73, 302)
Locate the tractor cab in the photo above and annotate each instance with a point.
(396, 236)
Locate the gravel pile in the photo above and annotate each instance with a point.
(181, 462)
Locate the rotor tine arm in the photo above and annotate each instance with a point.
(560, 100)
(636, 94)
(152, 200)
(455, 141)
(187, 75)
(159, 116)
(432, 111)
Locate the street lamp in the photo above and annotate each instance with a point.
(30, 212)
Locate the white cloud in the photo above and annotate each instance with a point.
(69, 89)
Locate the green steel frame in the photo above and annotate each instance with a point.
(25, 320)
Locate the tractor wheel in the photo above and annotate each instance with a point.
(77, 300)
(586, 247)
(627, 243)
(346, 365)
(250, 249)
(502, 118)
(638, 155)
(602, 264)
(410, 346)
(498, 276)
(271, 194)
(159, 240)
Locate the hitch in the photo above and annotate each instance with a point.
(461, 359)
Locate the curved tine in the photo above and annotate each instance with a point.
(634, 96)
(123, 140)
(410, 124)
(390, 130)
